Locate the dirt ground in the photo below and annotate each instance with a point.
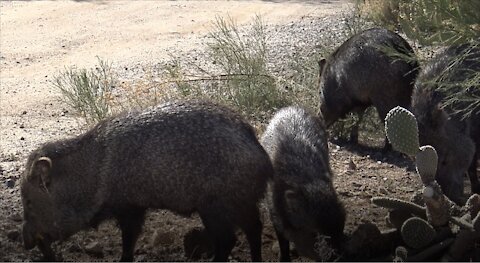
(38, 38)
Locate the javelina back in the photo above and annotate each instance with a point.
(456, 139)
(187, 157)
(360, 73)
(302, 200)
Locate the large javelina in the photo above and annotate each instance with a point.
(361, 73)
(302, 199)
(187, 157)
(456, 139)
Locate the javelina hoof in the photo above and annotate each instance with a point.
(197, 244)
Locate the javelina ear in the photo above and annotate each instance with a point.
(321, 65)
(42, 168)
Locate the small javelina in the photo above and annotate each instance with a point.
(456, 138)
(361, 73)
(302, 199)
(187, 157)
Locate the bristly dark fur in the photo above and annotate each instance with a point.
(456, 139)
(361, 73)
(296, 141)
(185, 156)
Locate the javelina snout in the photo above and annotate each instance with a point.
(450, 76)
(302, 200)
(361, 73)
(185, 156)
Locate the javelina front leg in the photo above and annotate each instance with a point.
(252, 226)
(130, 223)
(356, 127)
(284, 246)
(221, 231)
(47, 251)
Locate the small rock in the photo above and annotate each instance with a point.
(74, 247)
(355, 184)
(21, 126)
(24, 112)
(382, 190)
(94, 249)
(352, 165)
(162, 238)
(13, 235)
(10, 183)
(16, 217)
(22, 138)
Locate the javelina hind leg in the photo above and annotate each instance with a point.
(131, 224)
(252, 226)
(355, 129)
(472, 174)
(284, 246)
(221, 232)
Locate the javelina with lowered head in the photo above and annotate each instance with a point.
(302, 200)
(187, 157)
(361, 73)
(456, 138)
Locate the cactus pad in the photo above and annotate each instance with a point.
(393, 203)
(417, 233)
(426, 161)
(402, 130)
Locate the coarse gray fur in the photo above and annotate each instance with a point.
(184, 156)
(361, 73)
(302, 199)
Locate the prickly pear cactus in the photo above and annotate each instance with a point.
(417, 233)
(393, 203)
(402, 130)
(426, 161)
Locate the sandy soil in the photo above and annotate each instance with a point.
(39, 38)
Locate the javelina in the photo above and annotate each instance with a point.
(187, 157)
(456, 139)
(302, 200)
(360, 73)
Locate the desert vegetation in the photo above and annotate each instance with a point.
(242, 67)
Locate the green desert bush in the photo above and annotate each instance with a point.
(87, 91)
(238, 74)
(440, 22)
